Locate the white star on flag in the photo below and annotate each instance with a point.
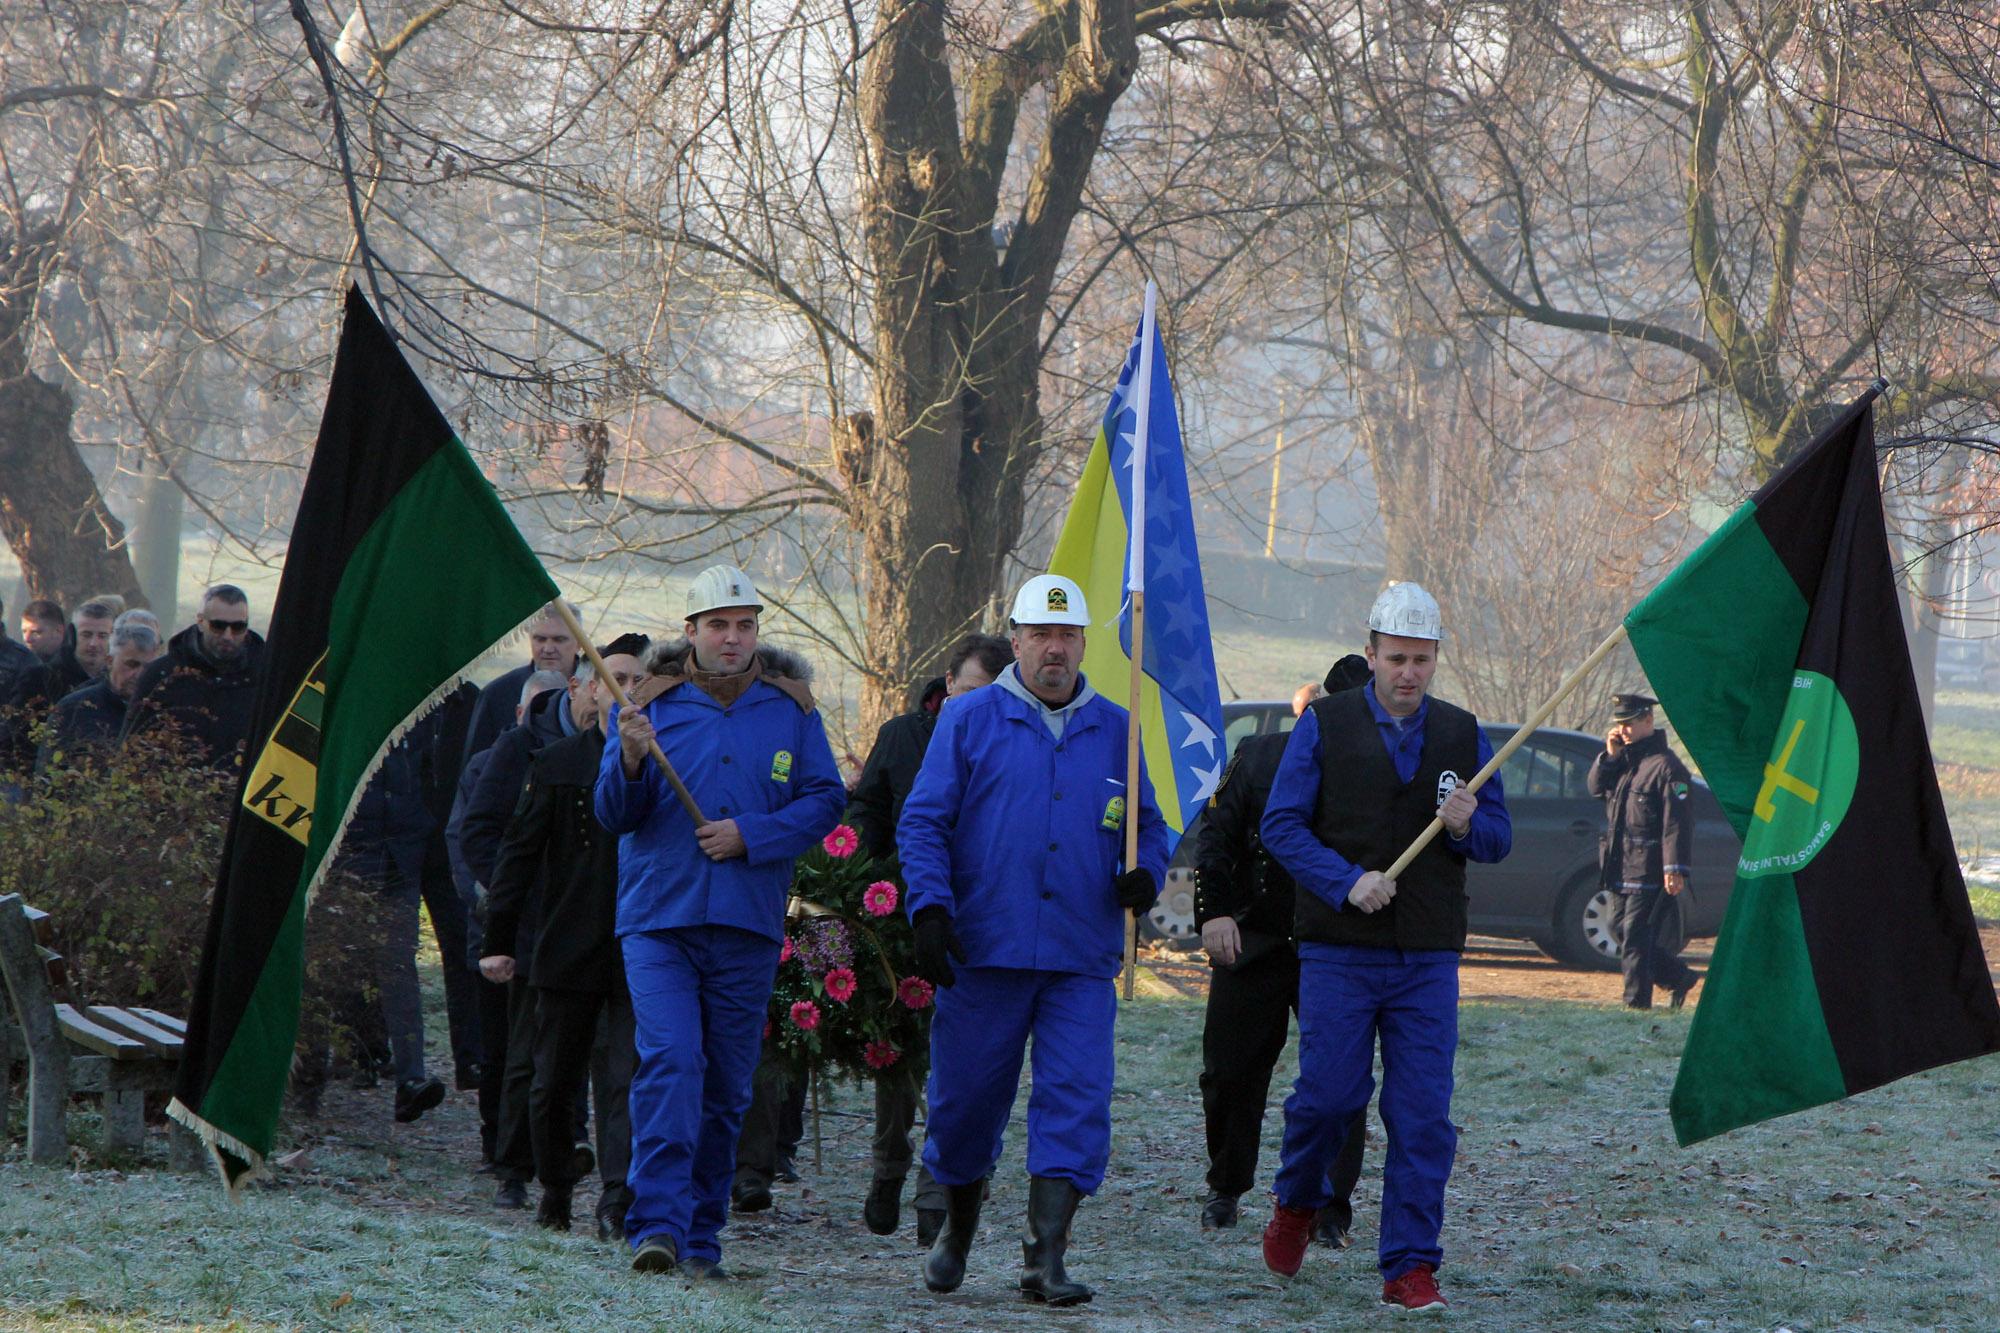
(1198, 734)
(1207, 780)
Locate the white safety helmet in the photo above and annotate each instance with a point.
(1050, 599)
(719, 586)
(1406, 611)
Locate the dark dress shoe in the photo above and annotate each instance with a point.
(1679, 995)
(1328, 1231)
(610, 1220)
(417, 1095)
(1218, 1212)
(656, 1254)
(704, 1270)
(882, 1211)
(748, 1196)
(554, 1212)
(511, 1194)
(788, 1170)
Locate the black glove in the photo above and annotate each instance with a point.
(937, 945)
(1135, 889)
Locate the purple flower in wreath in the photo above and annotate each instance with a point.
(824, 945)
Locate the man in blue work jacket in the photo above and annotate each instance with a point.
(701, 907)
(1011, 841)
(1363, 774)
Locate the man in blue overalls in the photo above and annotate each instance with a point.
(701, 908)
(1011, 840)
(1363, 774)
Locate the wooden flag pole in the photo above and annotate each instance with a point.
(653, 747)
(1528, 728)
(1132, 730)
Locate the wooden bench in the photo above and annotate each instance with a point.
(118, 1054)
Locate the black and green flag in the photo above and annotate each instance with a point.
(403, 570)
(1848, 957)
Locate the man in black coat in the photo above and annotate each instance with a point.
(1647, 847)
(490, 999)
(549, 717)
(556, 850)
(1244, 906)
(206, 685)
(78, 659)
(443, 762)
(551, 647)
(87, 721)
(17, 657)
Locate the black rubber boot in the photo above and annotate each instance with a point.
(882, 1211)
(1051, 1207)
(944, 1267)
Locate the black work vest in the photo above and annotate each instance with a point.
(1370, 816)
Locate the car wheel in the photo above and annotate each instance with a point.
(1586, 926)
(1172, 917)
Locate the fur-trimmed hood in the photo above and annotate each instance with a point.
(670, 660)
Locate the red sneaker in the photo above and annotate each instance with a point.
(1286, 1236)
(1414, 1290)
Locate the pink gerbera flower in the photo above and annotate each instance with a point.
(914, 993)
(842, 843)
(879, 898)
(805, 1015)
(880, 1055)
(840, 985)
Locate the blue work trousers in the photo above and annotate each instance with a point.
(698, 1000)
(978, 1039)
(1413, 1005)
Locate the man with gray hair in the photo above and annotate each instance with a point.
(86, 722)
(551, 647)
(206, 684)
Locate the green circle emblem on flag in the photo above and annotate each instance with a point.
(1808, 780)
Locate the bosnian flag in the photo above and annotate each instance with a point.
(1131, 529)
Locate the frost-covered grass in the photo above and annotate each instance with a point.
(1571, 1208)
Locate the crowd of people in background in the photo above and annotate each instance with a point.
(608, 948)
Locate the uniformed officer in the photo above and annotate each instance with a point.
(1011, 841)
(701, 909)
(1244, 906)
(1362, 776)
(1648, 845)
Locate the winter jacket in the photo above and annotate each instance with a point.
(555, 849)
(877, 801)
(391, 825)
(16, 660)
(189, 690)
(35, 694)
(1234, 875)
(1019, 835)
(470, 891)
(493, 711)
(1649, 823)
(499, 791)
(86, 723)
(763, 761)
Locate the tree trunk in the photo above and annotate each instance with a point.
(937, 473)
(68, 542)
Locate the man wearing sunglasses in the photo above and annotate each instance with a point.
(206, 685)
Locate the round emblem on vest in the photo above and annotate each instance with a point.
(1447, 784)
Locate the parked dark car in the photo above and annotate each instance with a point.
(1546, 890)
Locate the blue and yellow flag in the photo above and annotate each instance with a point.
(1180, 710)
